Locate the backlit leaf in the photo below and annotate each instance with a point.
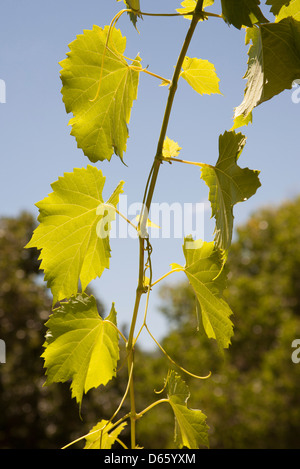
(80, 346)
(242, 120)
(100, 97)
(191, 430)
(71, 249)
(149, 223)
(242, 12)
(205, 272)
(102, 437)
(284, 8)
(273, 65)
(228, 184)
(201, 75)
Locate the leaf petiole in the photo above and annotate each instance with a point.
(123, 398)
(121, 215)
(96, 431)
(166, 275)
(79, 439)
(178, 160)
(121, 443)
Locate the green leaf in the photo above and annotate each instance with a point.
(228, 184)
(291, 8)
(171, 149)
(99, 436)
(80, 346)
(284, 8)
(191, 430)
(242, 120)
(100, 114)
(134, 5)
(242, 12)
(204, 269)
(201, 75)
(273, 65)
(67, 236)
(190, 5)
(276, 5)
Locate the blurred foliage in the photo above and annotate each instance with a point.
(252, 397)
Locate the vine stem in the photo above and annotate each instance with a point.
(197, 15)
(137, 69)
(178, 160)
(96, 431)
(161, 401)
(179, 269)
(190, 13)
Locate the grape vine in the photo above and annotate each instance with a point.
(99, 86)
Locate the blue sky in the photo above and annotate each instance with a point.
(36, 148)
